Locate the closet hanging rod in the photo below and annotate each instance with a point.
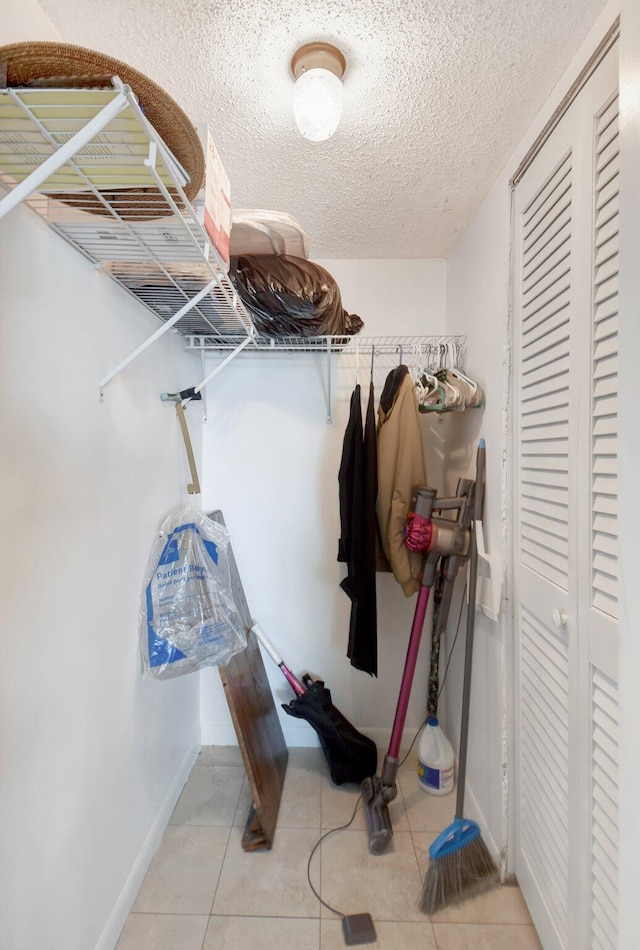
(411, 347)
(414, 350)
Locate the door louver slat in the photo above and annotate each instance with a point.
(604, 821)
(544, 363)
(607, 249)
(545, 724)
(608, 153)
(552, 183)
(606, 116)
(557, 239)
(547, 272)
(605, 213)
(604, 390)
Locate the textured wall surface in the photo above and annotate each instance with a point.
(436, 97)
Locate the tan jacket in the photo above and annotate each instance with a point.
(401, 469)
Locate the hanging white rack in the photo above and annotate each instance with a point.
(413, 350)
(95, 147)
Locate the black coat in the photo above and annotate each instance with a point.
(358, 488)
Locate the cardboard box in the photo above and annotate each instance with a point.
(214, 206)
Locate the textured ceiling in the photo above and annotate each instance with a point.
(436, 97)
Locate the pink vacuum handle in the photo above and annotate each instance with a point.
(294, 683)
(409, 670)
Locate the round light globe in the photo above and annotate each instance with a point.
(317, 104)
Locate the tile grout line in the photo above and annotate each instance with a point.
(235, 813)
(415, 850)
(224, 857)
(428, 919)
(466, 925)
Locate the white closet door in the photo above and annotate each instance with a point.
(565, 551)
(546, 553)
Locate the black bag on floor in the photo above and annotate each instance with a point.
(351, 756)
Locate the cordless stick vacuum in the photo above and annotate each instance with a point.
(435, 537)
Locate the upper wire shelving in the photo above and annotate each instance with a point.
(91, 165)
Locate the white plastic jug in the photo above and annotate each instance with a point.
(435, 760)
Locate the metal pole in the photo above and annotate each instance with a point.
(329, 420)
(64, 152)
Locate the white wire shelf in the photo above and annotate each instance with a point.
(422, 352)
(90, 164)
(430, 349)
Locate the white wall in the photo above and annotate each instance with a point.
(629, 466)
(477, 281)
(271, 465)
(92, 757)
(478, 305)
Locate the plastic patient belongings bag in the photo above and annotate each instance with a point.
(290, 296)
(188, 618)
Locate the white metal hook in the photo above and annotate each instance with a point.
(450, 357)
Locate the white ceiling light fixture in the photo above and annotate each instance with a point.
(318, 69)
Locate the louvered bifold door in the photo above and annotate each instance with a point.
(545, 239)
(565, 526)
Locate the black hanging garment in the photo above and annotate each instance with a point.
(358, 488)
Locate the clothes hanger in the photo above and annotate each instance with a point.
(429, 392)
(373, 356)
(467, 379)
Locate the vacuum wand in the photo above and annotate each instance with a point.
(434, 537)
(292, 680)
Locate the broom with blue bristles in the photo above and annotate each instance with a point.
(460, 861)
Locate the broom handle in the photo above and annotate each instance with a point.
(471, 611)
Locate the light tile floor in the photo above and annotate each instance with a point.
(203, 892)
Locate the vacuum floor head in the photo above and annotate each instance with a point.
(376, 814)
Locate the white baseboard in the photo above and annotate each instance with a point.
(301, 735)
(381, 737)
(472, 810)
(213, 734)
(113, 927)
